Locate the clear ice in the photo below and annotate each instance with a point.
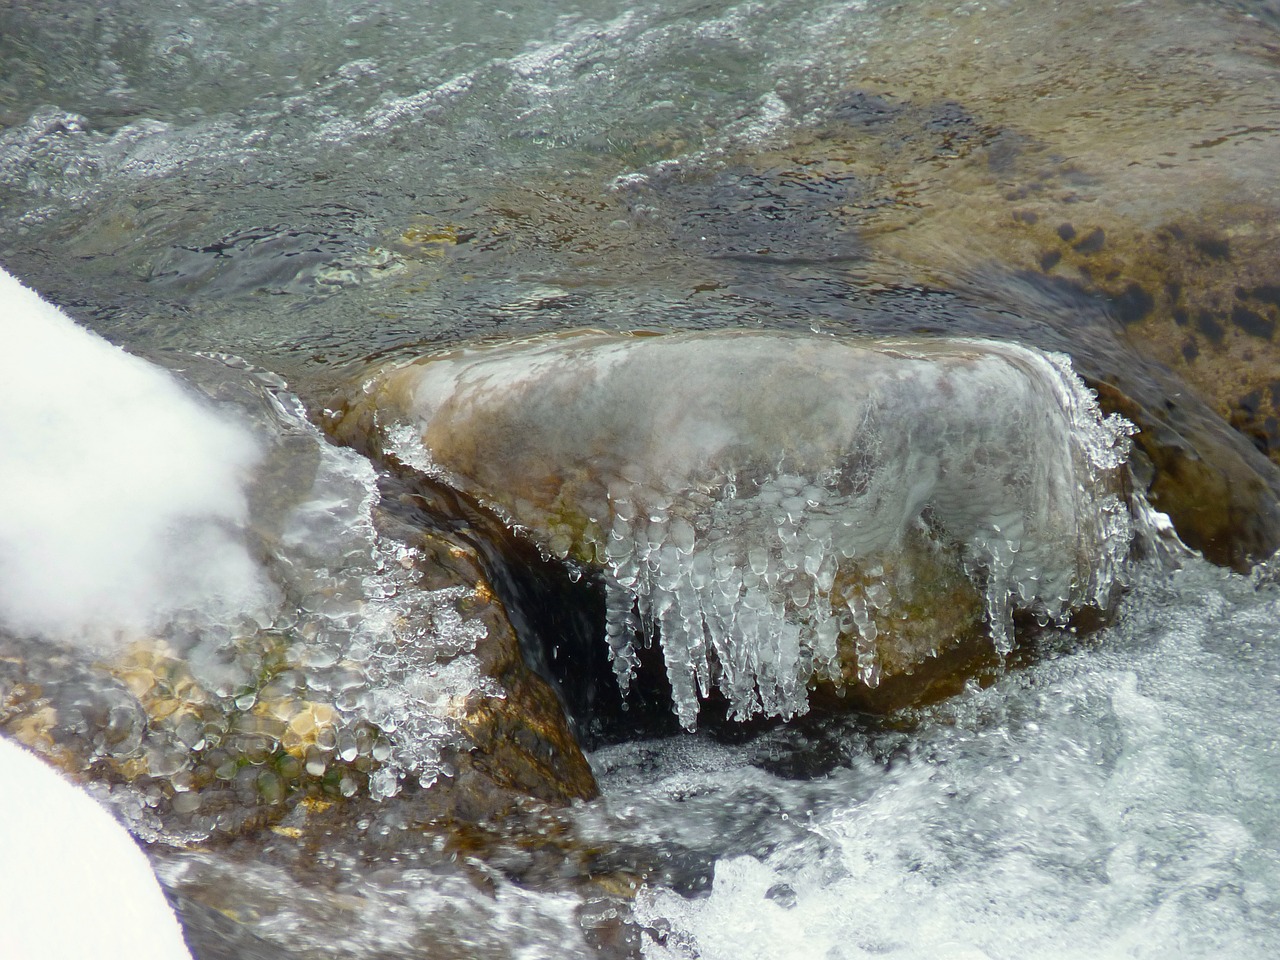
(216, 614)
(745, 494)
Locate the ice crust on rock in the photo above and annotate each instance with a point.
(396, 661)
(742, 493)
(355, 678)
(374, 669)
(196, 594)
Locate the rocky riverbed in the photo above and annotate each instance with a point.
(373, 708)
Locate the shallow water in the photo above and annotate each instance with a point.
(264, 196)
(307, 185)
(369, 152)
(1114, 799)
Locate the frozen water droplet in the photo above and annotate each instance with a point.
(315, 763)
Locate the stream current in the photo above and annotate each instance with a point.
(262, 198)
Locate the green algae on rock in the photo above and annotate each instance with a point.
(772, 506)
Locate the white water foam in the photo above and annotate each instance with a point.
(1115, 802)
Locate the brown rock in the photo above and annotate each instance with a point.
(1129, 165)
(791, 509)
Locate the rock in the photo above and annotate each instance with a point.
(205, 763)
(781, 509)
(516, 738)
(1130, 165)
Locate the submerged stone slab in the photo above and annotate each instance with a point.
(782, 509)
(1132, 166)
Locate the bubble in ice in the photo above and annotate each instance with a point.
(757, 500)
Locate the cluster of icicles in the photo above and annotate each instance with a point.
(742, 495)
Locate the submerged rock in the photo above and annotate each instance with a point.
(1131, 164)
(782, 509)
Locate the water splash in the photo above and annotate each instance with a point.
(762, 501)
(1113, 801)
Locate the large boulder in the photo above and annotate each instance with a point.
(781, 510)
(1132, 166)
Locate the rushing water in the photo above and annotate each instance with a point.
(262, 197)
(1112, 801)
(1107, 803)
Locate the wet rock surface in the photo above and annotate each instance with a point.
(787, 509)
(391, 679)
(389, 663)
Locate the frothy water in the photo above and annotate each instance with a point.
(1109, 802)
(314, 186)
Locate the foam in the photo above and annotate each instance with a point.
(1115, 801)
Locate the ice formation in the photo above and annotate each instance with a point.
(745, 495)
(353, 679)
(356, 680)
(74, 883)
(195, 598)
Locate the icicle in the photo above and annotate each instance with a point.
(750, 495)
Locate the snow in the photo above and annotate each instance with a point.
(73, 884)
(121, 494)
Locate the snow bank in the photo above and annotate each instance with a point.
(121, 497)
(74, 884)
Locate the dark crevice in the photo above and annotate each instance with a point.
(558, 620)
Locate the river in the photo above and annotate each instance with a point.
(266, 198)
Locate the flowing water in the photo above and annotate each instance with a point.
(264, 197)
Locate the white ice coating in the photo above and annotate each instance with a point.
(121, 495)
(743, 492)
(385, 651)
